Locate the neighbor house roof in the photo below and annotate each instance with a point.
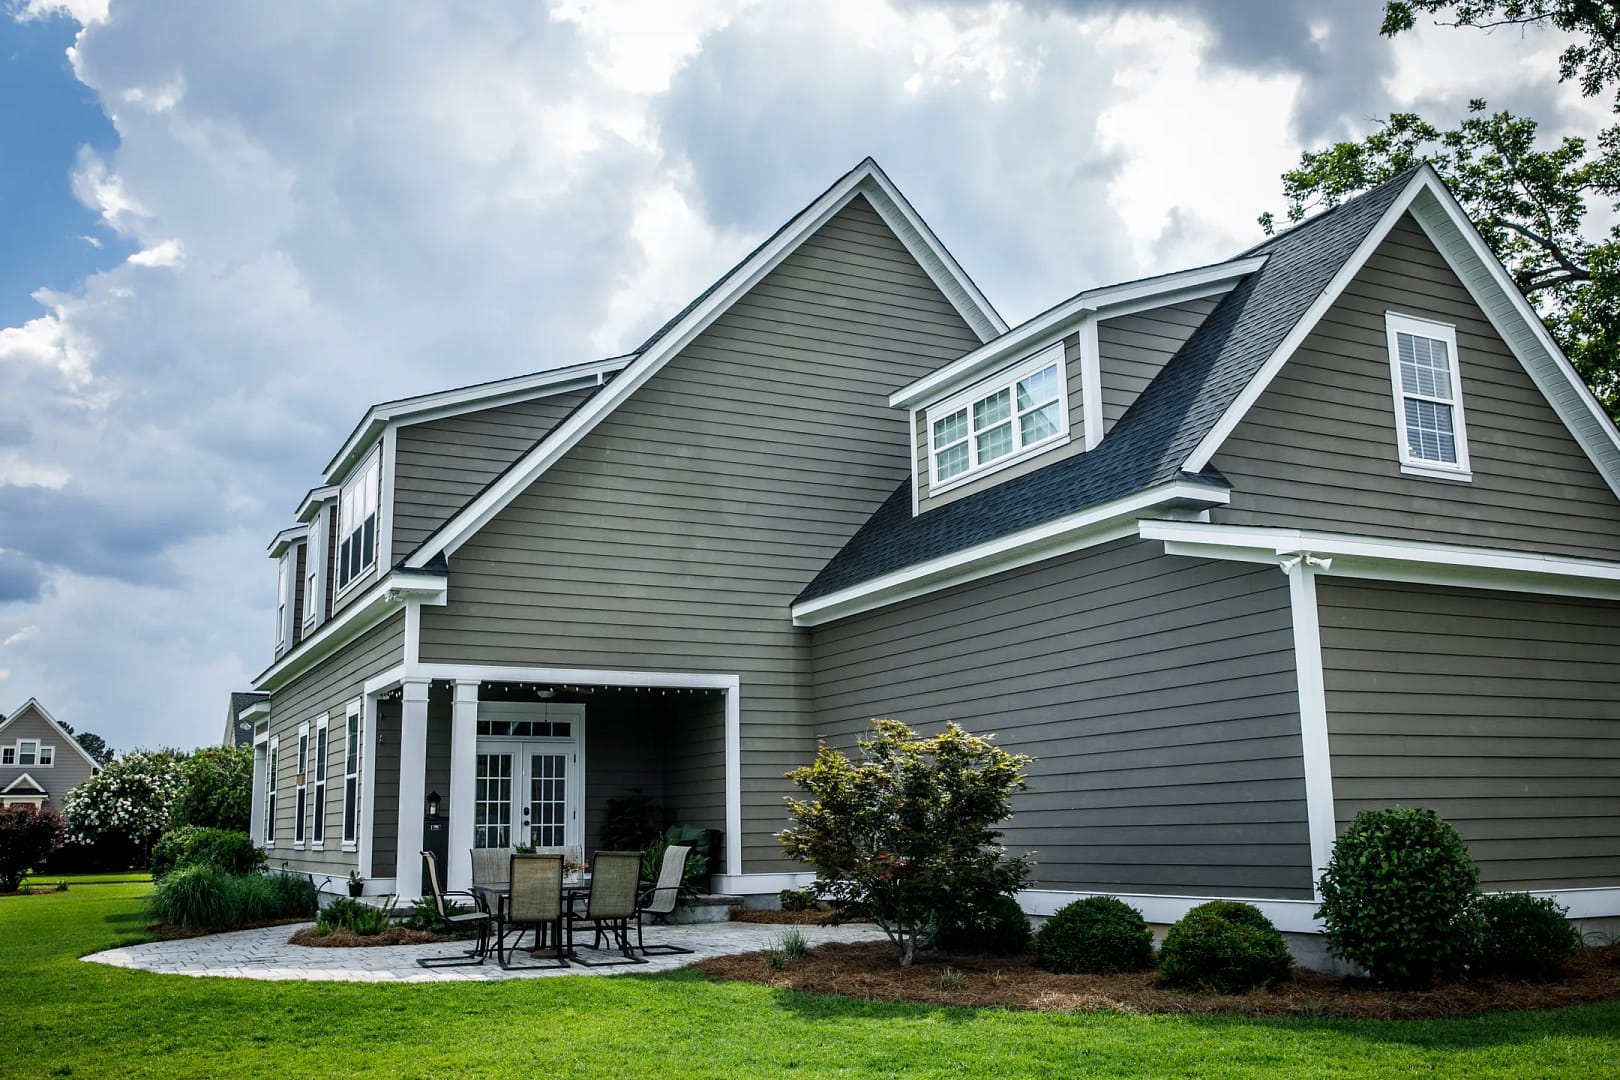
(239, 732)
(73, 744)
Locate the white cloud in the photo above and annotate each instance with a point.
(83, 11)
(168, 253)
(5, 673)
(25, 634)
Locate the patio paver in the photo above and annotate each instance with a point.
(268, 954)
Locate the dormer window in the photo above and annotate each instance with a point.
(1432, 437)
(284, 598)
(357, 521)
(998, 422)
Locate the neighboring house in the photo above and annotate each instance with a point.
(39, 761)
(1234, 552)
(239, 716)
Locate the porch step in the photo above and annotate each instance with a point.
(708, 908)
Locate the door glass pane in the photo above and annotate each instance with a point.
(492, 801)
(548, 799)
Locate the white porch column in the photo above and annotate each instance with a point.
(463, 766)
(256, 813)
(412, 786)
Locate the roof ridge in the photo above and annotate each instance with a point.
(1400, 178)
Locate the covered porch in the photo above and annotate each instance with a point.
(525, 758)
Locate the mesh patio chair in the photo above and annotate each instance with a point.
(615, 880)
(660, 900)
(490, 867)
(533, 902)
(430, 870)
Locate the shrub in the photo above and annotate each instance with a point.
(797, 899)
(1095, 936)
(206, 898)
(1398, 898)
(27, 838)
(1225, 947)
(217, 788)
(692, 882)
(1525, 937)
(423, 916)
(129, 801)
(904, 831)
(367, 920)
(631, 822)
(999, 928)
(195, 845)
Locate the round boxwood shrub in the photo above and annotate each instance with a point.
(1095, 936)
(196, 845)
(999, 928)
(1226, 947)
(1398, 898)
(1525, 937)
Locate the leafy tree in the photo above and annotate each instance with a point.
(130, 800)
(95, 746)
(27, 838)
(218, 789)
(908, 830)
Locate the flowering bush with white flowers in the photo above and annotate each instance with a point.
(130, 800)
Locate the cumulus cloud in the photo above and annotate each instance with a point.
(21, 636)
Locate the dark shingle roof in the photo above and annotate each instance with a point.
(1151, 442)
(242, 730)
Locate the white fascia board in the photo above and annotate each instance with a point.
(1382, 559)
(17, 784)
(1074, 532)
(255, 711)
(380, 603)
(866, 179)
(1056, 323)
(286, 537)
(56, 725)
(1245, 400)
(1289, 916)
(466, 399)
(313, 502)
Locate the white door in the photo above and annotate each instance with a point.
(527, 793)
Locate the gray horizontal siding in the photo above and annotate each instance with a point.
(1133, 349)
(68, 768)
(1498, 710)
(1156, 694)
(441, 464)
(326, 688)
(675, 536)
(1318, 450)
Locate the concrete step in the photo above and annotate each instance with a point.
(707, 908)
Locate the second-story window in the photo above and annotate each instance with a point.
(357, 521)
(995, 421)
(1433, 439)
(284, 598)
(314, 559)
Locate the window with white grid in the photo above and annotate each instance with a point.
(1429, 425)
(999, 421)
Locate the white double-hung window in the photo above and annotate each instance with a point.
(284, 598)
(301, 787)
(998, 422)
(318, 782)
(351, 777)
(1432, 436)
(357, 521)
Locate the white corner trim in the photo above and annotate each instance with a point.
(1091, 410)
(1313, 722)
(1211, 442)
(379, 604)
(1378, 558)
(1058, 322)
(866, 179)
(1074, 532)
(413, 635)
(734, 821)
(1289, 916)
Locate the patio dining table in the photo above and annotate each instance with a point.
(491, 893)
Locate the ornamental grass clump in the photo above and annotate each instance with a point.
(905, 829)
(206, 898)
(1226, 947)
(1525, 937)
(1099, 935)
(1399, 898)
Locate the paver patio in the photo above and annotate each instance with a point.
(268, 954)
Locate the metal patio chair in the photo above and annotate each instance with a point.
(615, 879)
(430, 869)
(533, 901)
(490, 867)
(660, 900)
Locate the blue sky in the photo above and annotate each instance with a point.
(303, 209)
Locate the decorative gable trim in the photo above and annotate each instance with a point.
(1487, 281)
(16, 787)
(69, 740)
(866, 179)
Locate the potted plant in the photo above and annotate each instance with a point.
(357, 884)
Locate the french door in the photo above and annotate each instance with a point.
(527, 793)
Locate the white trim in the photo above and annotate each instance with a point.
(386, 680)
(443, 403)
(316, 562)
(314, 500)
(12, 787)
(1595, 903)
(1289, 916)
(1006, 380)
(384, 600)
(917, 465)
(413, 635)
(1377, 558)
(385, 500)
(285, 539)
(463, 773)
(40, 747)
(56, 725)
(319, 783)
(865, 180)
(261, 758)
(1313, 721)
(1395, 324)
(345, 529)
(370, 722)
(272, 790)
(1091, 410)
(22, 800)
(734, 822)
(301, 789)
(413, 726)
(761, 884)
(1060, 321)
(1074, 532)
(353, 710)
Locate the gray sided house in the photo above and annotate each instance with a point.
(39, 761)
(1234, 552)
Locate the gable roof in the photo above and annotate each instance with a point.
(16, 785)
(73, 744)
(864, 180)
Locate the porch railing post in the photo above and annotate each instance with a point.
(412, 786)
(463, 754)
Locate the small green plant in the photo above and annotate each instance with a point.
(997, 927)
(1226, 947)
(1525, 937)
(1095, 936)
(692, 881)
(1399, 897)
(423, 916)
(950, 978)
(775, 959)
(797, 899)
(344, 913)
(197, 845)
(793, 945)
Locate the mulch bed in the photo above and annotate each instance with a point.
(772, 917)
(868, 971)
(348, 939)
(169, 932)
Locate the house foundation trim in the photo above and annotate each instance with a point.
(762, 884)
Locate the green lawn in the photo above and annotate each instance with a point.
(121, 877)
(84, 1020)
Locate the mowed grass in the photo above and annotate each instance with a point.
(36, 880)
(62, 1017)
